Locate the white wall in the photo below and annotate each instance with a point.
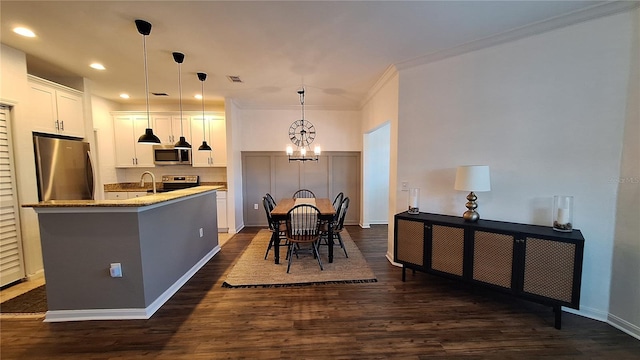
(546, 113)
(268, 130)
(103, 127)
(382, 107)
(14, 91)
(624, 311)
(234, 167)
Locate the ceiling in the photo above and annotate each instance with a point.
(337, 50)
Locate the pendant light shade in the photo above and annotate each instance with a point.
(144, 28)
(204, 147)
(182, 144)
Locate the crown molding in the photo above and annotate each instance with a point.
(388, 74)
(593, 12)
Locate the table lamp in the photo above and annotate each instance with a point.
(472, 178)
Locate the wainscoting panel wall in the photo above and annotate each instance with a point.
(269, 171)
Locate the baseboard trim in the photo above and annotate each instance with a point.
(129, 314)
(36, 275)
(624, 326)
(390, 258)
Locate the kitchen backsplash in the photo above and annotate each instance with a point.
(206, 174)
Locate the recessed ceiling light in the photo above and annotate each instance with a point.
(97, 66)
(24, 32)
(198, 96)
(124, 96)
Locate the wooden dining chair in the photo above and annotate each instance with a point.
(274, 227)
(338, 200)
(303, 227)
(338, 227)
(271, 200)
(304, 193)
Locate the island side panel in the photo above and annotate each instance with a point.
(77, 250)
(170, 240)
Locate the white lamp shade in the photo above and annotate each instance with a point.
(473, 178)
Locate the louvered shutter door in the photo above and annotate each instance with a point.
(11, 264)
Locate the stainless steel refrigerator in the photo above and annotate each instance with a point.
(63, 168)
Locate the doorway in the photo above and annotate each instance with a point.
(376, 162)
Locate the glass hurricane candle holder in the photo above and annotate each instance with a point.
(562, 213)
(414, 201)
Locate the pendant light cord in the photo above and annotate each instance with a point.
(204, 134)
(303, 133)
(146, 77)
(180, 88)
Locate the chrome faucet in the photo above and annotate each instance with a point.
(153, 180)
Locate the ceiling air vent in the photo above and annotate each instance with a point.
(160, 94)
(234, 78)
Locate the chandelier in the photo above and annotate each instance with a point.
(302, 133)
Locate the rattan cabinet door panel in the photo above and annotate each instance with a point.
(447, 249)
(548, 268)
(410, 242)
(493, 258)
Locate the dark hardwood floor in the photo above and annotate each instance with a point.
(422, 318)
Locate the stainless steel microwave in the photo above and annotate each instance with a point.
(169, 155)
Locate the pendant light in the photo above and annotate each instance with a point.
(204, 147)
(144, 28)
(182, 144)
(302, 133)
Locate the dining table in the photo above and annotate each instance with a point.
(327, 213)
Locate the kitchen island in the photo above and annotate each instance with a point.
(159, 242)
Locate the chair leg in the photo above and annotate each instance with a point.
(268, 248)
(315, 251)
(290, 255)
(342, 245)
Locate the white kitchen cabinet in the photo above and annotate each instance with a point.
(215, 133)
(123, 195)
(129, 152)
(115, 195)
(167, 128)
(222, 211)
(55, 109)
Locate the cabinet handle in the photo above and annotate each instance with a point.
(57, 125)
(62, 125)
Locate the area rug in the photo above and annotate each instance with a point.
(252, 270)
(32, 302)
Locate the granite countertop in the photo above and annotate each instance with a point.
(150, 199)
(135, 186)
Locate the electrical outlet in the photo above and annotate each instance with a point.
(405, 186)
(115, 270)
(201, 232)
(255, 206)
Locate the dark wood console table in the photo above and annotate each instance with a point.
(527, 261)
